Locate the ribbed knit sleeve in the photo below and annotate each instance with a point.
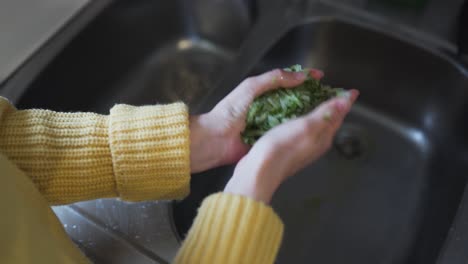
(136, 153)
(150, 150)
(232, 229)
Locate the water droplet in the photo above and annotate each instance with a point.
(74, 226)
(137, 237)
(65, 225)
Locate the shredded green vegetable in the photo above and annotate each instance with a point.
(283, 104)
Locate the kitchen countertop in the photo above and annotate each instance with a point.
(25, 25)
(30, 36)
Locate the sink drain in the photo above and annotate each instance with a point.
(350, 143)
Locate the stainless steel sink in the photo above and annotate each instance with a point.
(389, 190)
(142, 52)
(138, 52)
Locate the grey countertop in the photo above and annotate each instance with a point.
(25, 25)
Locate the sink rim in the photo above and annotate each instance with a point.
(416, 40)
(170, 213)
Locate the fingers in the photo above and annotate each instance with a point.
(334, 109)
(240, 98)
(323, 122)
(328, 117)
(278, 78)
(316, 74)
(273, 79)
(254, 86)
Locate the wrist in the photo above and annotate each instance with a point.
(251, 190)
(251, 179)
(205, 146)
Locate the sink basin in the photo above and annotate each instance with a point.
(137, 52)
(389, 189)
(142, 52)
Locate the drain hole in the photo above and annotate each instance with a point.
(349, 145)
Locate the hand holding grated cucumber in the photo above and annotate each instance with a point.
(280, 105)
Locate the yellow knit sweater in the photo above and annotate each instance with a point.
(135, 153)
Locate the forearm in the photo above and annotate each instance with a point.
(135, 153)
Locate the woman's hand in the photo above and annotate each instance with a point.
(215, 136)
(287, 148)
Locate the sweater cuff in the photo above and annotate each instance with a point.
(232, 229)
(150, 151)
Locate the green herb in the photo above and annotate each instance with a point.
(283, 104)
